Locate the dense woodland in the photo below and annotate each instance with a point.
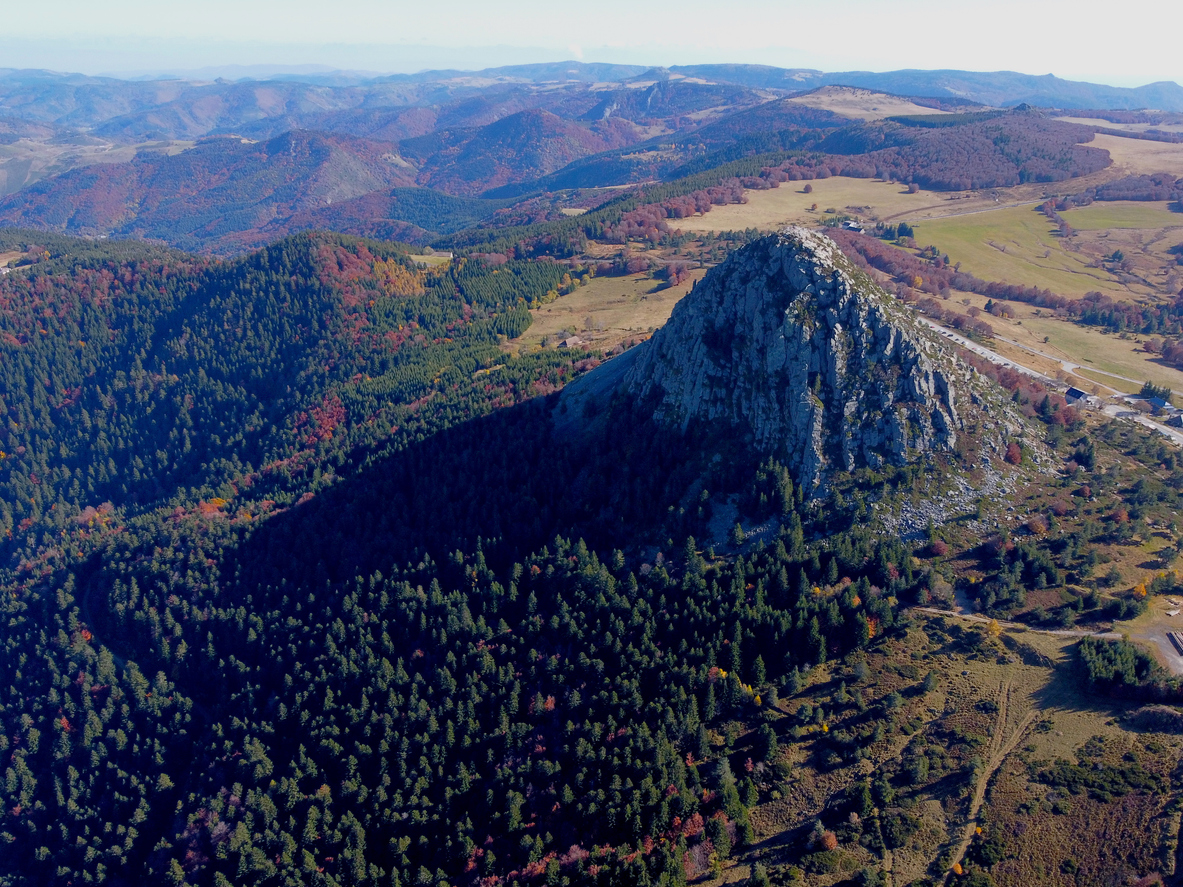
(142, 380)
(432, 724)
(376, 619)
(232, 665)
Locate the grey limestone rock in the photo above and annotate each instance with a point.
(787, 343)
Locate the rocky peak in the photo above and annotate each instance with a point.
(791, 346)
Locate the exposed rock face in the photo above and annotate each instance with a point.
(787, 343)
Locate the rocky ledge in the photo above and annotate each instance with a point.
(789, 345)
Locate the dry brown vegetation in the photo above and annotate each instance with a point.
(26, 161)
(605, 312)
(861, 104)
(1132, 156)
(963, 765)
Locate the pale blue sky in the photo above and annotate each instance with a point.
(1124, 44)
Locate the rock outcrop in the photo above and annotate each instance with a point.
(791, 346)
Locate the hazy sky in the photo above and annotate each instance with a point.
(1125, 43)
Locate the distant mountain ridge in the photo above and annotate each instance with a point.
(276, 156)
(205, 197)
(189, 108)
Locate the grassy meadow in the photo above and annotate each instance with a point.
(862, 104)
(605, 312)
(1138, 156)
(1017, 245)
(868, 199)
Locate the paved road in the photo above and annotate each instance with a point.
(982, 351)
(1071, 367)
(1116, 411)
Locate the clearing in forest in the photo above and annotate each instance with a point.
(1086, 354)
(1018, 245)
(861, 104)
(1120, 248)
(1140, 156)
(1150, 631)
(605, 312)
(867, 199)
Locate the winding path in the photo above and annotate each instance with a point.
(1001, 745)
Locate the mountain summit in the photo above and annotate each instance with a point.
(791, 346)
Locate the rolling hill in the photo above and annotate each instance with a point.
(305, 579)
(141, 110)
(998, 89)
(409, 215)
(200, 198)
(518, 148)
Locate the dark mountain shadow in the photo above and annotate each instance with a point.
(508, 482)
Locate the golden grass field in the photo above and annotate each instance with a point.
(861, 104)
(619, 308)
(431, 261)
(1136, 156)
(868, 199)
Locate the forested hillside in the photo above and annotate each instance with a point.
(520, 147)
(142, 380)
(512, 142)
(315, 570)
(230, 494)
(420, 724)
(209, 194)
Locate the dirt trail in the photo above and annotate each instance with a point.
(1001, 745)
(1054, 632)
(969, 212)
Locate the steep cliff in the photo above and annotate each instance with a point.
(787, 344)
